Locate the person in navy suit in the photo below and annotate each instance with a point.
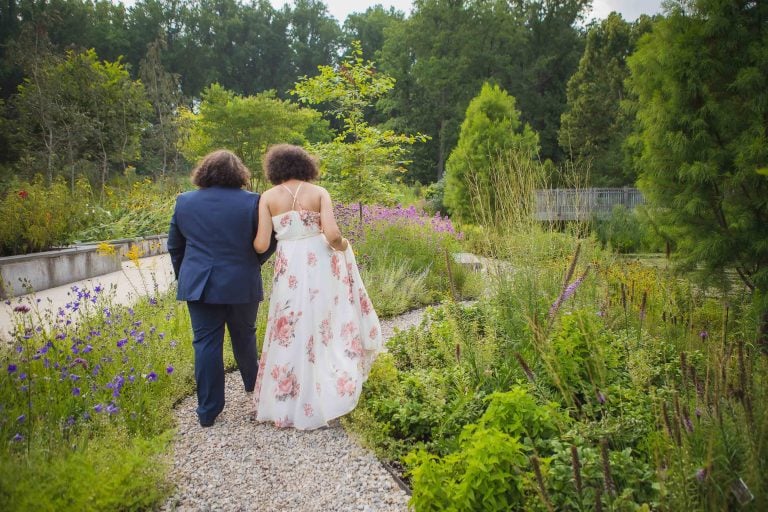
(210, 242)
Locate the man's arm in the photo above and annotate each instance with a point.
(177, 244)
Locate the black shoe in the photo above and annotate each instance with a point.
(207, 423)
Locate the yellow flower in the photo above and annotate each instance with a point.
(134, 253)
(104, 249)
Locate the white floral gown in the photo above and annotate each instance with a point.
(322, 332)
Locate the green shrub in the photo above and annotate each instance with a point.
(37, 217)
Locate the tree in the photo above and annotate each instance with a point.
(446, 50)
(246, 125)
(361, 162)
(314, 35)
(491, 128)
(164, 93)
(79, 109)
(702, 120)
(370, 28)
(594, 126)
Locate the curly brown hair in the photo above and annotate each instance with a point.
(221, 168)
(286, 161)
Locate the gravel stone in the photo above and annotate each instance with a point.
(239, 465)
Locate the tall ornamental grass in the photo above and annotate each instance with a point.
(407, 256)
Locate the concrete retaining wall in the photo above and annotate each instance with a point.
(39, 271)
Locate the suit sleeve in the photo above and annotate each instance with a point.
(177, 244)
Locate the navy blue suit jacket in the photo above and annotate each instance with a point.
(211, 246)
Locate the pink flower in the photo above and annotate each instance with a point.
(308, 412)
(311, 259)
(285, 385)
(374, 332)
(345, 385)
(285, 220)
(311, 349)
(365, 303)
(292, 282)
(23, 194)
(336, 265)
(325, 331)
(283, 330)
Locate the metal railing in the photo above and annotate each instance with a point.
(583, 204)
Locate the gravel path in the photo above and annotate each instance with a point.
(237, 465)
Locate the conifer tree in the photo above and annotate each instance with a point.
(700, 79)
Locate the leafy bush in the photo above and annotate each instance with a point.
(627, 231)
(37, 217)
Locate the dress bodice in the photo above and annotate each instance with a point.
(296, 224)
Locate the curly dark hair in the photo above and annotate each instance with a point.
(221, 168)
(286, 161)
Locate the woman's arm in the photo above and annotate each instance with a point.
(328, 223)
(264, 231)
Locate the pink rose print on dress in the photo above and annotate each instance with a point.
(311, 349)
(283, 328)
(325, 331)
(292, 282)
(287, 383)
(374, 332)
(336, 265)
(284, 422)
(345, 385)
(285, 220)
(309, 218)
(308, 412)
(311, 259)
(351, 336)
(365, 302)
(281, 264)
(350, 282)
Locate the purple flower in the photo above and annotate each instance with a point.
(169, 370)
(601, 397)
(21, 308)
(98, 407)
(88, 348)
(121, 342)
(11, 368)
(112, 408)
(75, 391)
(567, 293)
(703, 335)
(22, 376)
(71, 421)
(21, 418)
(701, 474)
(18, 438)
(152, 377)
(97, 288)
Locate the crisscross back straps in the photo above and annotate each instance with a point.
(294, 195)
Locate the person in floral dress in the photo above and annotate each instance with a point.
(322, 331)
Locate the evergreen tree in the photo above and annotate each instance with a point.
(491, 128)
(594, 126)
(700, 79)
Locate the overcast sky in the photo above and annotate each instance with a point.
(629, 9)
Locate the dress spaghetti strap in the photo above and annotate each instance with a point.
(294, 195)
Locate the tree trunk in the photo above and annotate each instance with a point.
(762, 337)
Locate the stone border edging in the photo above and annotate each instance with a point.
(39, 271)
